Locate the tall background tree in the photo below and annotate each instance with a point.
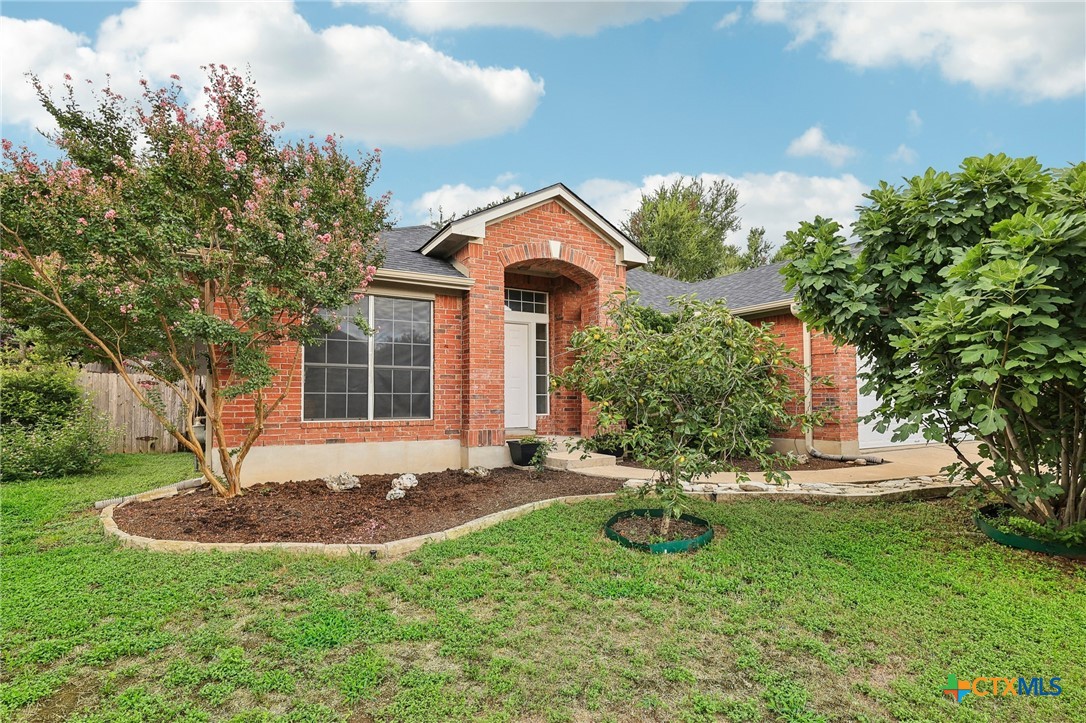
(181, 243)
(969, 298)
(685, 226)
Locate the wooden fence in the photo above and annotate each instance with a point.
(136, 428)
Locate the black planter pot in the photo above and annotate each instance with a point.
(617, 452)
(522, 452)
(658, 548)
(984, 516)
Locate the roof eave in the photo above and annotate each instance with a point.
(437, 281)
(768, 307)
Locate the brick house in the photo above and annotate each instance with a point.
(470, 321)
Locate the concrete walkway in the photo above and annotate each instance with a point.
(901, 463)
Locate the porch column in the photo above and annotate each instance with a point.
(482, 436)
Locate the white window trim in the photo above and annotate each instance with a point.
(369, 418)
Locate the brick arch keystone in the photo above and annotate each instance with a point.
(542, 253)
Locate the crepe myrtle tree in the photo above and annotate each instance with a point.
(969, 299)
(687, 398)
(182, 244)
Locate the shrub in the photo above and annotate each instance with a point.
(53, 449)
(33, 395)
(47, 428)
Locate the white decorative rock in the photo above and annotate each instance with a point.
(405, 482)
(395, 494)
(480, 472)
(754, 487)
(340, 482)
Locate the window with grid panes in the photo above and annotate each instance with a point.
(349, 375)
(533, 302)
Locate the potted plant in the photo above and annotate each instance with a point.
(682, 399)
(524, 450)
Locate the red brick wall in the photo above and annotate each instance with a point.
(286, 425)
(588, 273)
(837, 363)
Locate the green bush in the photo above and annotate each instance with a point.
(32, 395)
(47, 427)
(687, 399)
(53, 449)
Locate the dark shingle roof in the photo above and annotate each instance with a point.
(755, 287)
(654, 290)
(763, 285)
(401, 252)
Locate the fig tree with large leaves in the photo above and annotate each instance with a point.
(967, 293)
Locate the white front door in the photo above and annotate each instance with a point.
(518, 389)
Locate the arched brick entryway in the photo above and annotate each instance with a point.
(543, 249)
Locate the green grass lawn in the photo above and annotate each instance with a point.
(799, 613)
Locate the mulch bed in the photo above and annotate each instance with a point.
(750, 465)
(310, 512)
(647, 529)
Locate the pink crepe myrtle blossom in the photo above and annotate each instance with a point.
(258, 209)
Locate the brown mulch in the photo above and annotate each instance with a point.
(750, 465)
(310, 512)
(647, 529)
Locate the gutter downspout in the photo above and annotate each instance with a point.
(808, 403)
(808, 395)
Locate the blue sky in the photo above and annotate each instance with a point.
(803, 106)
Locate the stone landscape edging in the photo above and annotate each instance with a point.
(397, 548)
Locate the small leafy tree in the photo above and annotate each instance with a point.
(969, 299)
(757, 253)
(179, 243)
(685, 400)
(685, 226)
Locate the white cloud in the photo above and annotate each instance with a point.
(729, 20)
(458, 199)
(359, 81)
(915, 121)
(553, 18)
(814, 142)
(1036, 49)
(904, 154)
(777, 201)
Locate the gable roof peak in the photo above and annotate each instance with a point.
(454, 234)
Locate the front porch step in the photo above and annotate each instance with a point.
(573, 460)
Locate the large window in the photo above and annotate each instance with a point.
(349, 375)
